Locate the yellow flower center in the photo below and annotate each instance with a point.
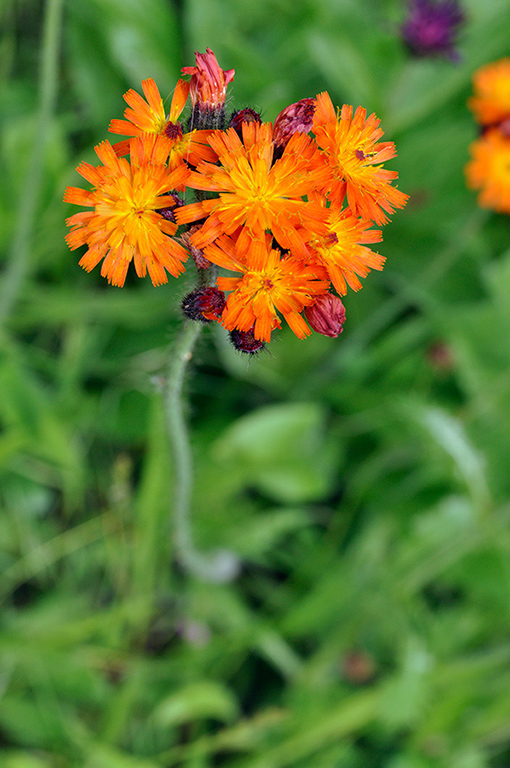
(502, 165)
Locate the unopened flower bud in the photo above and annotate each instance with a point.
(245, 341)
(327, 315)
(208, 89)
(247, 115)
(204, 304)
(296, 118)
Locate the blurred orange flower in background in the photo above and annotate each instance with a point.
(488, 171)
(491, 85)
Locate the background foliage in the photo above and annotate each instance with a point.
(364, 480)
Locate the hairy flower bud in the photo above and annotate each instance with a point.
(326, 315)
(208, 89)
(245, 341)
(247, 115)
(296, 118)
(204, 304)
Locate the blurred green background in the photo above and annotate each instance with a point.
(364, 480)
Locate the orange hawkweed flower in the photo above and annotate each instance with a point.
(149, 117)
(489, 170)
(491, 100)
(341, 250)
(124, 224)
(354, 155)
(269, 285)
(257, 194)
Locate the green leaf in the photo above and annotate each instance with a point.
(204, 699)
(284, 450)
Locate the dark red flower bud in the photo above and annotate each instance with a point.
(245, 341)
(243, 116)
(327, 315)
(204, 304)
(296, 118)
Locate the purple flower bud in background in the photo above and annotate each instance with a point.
(431, 27)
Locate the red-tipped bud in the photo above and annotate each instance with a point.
(204, 304)
(243, 116)
(208, 89)
(245, 341)
(296, 118)
(327, 315)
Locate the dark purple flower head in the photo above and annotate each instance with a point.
(431, 27)
(204, 304)
(245, 341)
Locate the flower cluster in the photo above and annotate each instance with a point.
(289, 207)
(488, 171)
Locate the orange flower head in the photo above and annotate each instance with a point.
(354, 155)
(124, 224)
(148, 116)
(269, 285)
(489, 170)
(258, 194)
(491, 101)
(208, 81)
(341, 250)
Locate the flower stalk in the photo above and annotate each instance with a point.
(221, 565)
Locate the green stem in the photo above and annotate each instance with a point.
(18, 259)
(221, 565)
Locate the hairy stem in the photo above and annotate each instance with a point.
(221, 565)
